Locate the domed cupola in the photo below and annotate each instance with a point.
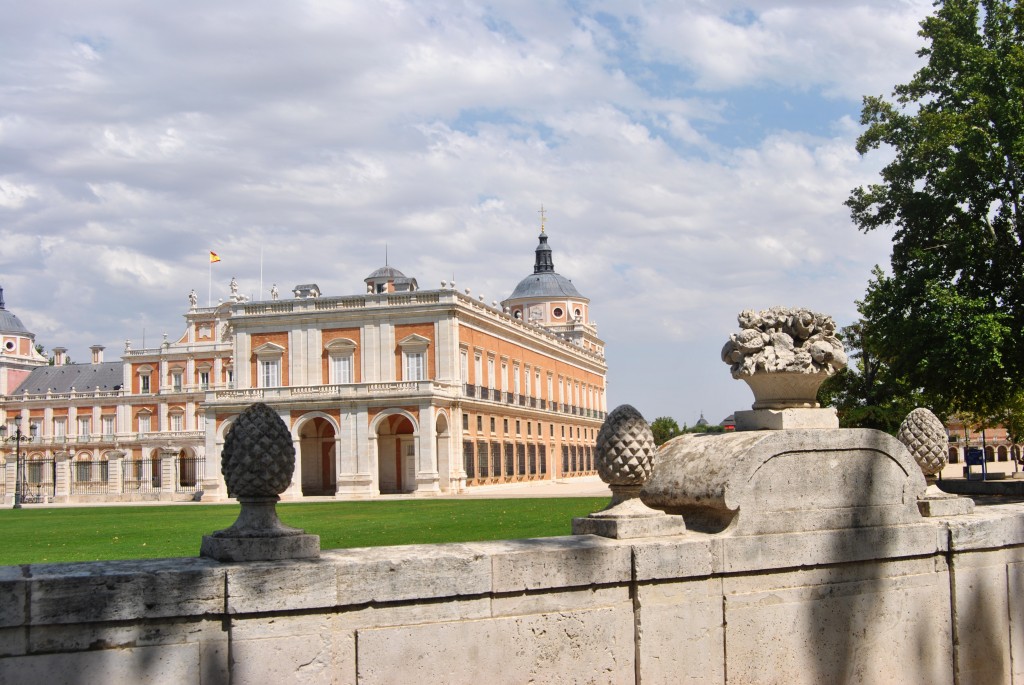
(18, 355)
(545, 297)
(388, 279)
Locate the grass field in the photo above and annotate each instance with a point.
(34, 535)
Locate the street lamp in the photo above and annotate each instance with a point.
(18, 470)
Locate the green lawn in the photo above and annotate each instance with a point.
(33, 535)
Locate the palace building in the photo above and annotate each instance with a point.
(394, 390)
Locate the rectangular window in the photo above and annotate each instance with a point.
(176, 381)
(515, 378)
(492, 424)
(144, 423)
(465, 422)
(529, 428)
(341, 370)
(144, 383)
(108, 426)
(527, 393)
(543, 460)
(510, 460)
(504, 427)
(490, 372)
(204, 380)
(478, 372)
(84, 426)
(176, 422)
(464, 359)
(269, 373)
(414, 366)
(496, 458)
(467, 459)
(517, 426)
(521, 457)
(532, 449)
(60, 427)
(481, 458)
(83, 471)
(479, 424)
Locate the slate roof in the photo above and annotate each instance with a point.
(547, 284)
(385, 272)
(81, 377)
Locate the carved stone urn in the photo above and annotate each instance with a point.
(258, 461)
(784, 354)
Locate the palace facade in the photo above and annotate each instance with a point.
(394, 390)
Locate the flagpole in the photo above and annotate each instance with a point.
(209, 285)
(261, 273)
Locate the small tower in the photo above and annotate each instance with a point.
(548, 299)
(18, 355)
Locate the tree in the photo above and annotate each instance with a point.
(868, 393)
(945, 317)
(664, 428)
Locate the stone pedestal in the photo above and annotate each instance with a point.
(787, 419)
(258, 535)
(627, 517)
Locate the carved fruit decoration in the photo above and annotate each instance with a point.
(926, 439)
(258, 457)
(625, 448)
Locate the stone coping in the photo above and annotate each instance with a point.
(49, 594)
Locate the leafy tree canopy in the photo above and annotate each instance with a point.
(664, 428)
(867, 393)
(944, 320)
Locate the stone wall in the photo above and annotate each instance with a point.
(934, 601)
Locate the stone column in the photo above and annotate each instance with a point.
(62, 486)
(115, 479)
(10, 477)
(426, 457)
(294, 489)
(168, 472)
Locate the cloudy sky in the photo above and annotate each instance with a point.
(692, 157)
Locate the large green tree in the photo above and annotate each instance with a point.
(868, 393)
(948, 316)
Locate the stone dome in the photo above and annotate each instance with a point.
(9, 323)
(386, 272)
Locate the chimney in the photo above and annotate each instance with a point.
(60, 356)
(97, 354)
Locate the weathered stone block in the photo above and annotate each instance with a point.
(680, 632)
(392, 574)
(280, 586)
(688, 556)
(982, 617)
(124, 591)
(594, 646)
(292, 649)
(12, 596)
(555, 602)
(869, 623)
(260, 548)
(547, 563)
(762, 552)
(628, 528)
(141, 666)
(781, 481)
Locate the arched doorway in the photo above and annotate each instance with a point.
(317, 457)
(396, 455)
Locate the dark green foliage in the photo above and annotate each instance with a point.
(35, 535)
(867, 393)
(945, 319)
(664, 429)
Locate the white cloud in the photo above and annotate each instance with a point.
(138, 136)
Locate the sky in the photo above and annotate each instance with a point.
(692, 158)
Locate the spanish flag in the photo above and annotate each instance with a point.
(214, 257)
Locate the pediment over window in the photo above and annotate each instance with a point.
(269, 350)
(414, 343)
(341, 346)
